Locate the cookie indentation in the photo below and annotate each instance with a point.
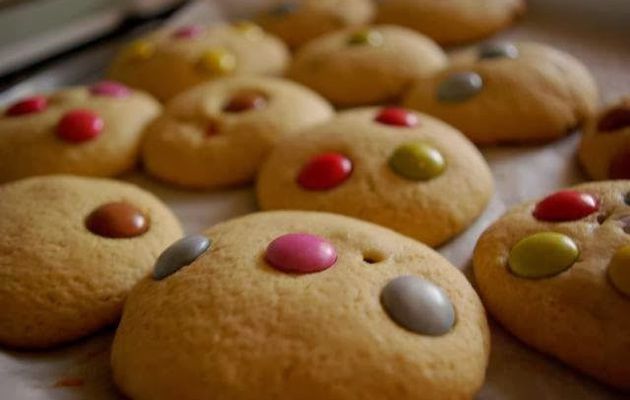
(417, 161)
(459, 87)
(325, 171)
(396, 116)
(30, 105)
(418, 305)
(619, 270)
(180, 254)
(542, 255)
(566, 205)
(301, 253)
(79, 126)
(117, 220)
(373, 256)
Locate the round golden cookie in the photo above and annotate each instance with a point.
(509, 93)
(556, 273)
(605, 149)
(454, 21)
(297, 305)
(171, 60)
(93, 131)
(218, 134)
(297, 22)
(70, 250)
(368, 65)
(400, 169)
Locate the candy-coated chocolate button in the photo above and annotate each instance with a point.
(117, 220)
(498, 50)
(620, 166)
(325, 171)
(110, 89)
(418, 305)
(616, 119)
(301, 253)
(180, 254)
(396, 116)
(543, 255)
(283, 9)
(566, 205)
(459, 87)
(80, 126)
(417, 161)
(141, 50)
(218, 61)
(248, 29)
(619, 270)
(29, 105)
(246, 100)
(188, 32)
(367, 37)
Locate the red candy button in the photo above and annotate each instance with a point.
(325, 171)
(397, 117)
(620, 167)
(80, 126)
(30, 105)
(566, 205)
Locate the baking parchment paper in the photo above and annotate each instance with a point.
(595, 31)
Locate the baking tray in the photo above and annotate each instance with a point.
(597, 32)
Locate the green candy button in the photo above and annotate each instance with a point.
(366, 37)
(543, 255)
(417, 161)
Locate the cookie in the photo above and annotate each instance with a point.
(605, 148)
(70, 250)
(509, 93)
(218, 134)
(172, 60)
(93, 131)
(360, 66)
(299, 305)
(394, 167)
(556, 273)
(451, 22)
(297, 22)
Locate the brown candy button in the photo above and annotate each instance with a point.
(245, 101)
(615, 119)
(117, 220)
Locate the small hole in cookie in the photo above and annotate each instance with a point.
(601, 218)
(373, 257)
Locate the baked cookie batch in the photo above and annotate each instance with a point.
(296, 302)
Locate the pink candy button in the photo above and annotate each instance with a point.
(29, 105)
(301, 253)
(110, 89)
(188, 32)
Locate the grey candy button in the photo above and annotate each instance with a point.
(179, 254)
(418, 305)
(498, 50)
(459, 87)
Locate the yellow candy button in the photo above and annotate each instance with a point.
(619, 270)
(141, 50)
(543, 255)
(366, 37)
(248, 29)
(417, 161)
(218, 61)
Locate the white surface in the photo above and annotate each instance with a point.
(515, 372)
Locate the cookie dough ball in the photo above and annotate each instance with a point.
(218, 134)
(93, 131)
(297, 22)
(299, 305)
(605, 148)
(454, 21)
(170, 61)
(397, 168)
(368, 65)
(509, 93)
(556, 273)
(70, 250)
